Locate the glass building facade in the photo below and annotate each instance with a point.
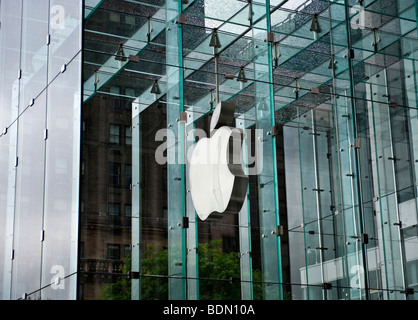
(102, 103)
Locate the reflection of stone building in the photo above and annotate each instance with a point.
(154, 181)
(105, 201)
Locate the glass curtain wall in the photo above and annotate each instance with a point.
(325, 92)
(40, 68)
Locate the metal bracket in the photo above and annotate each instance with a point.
(398, 224)
(183, 117)
(365, 238)
(393, 159)
(393, 104)
(149, 29)
(409, 291)
(315, 90)
(185, 223)
(181, 19)
(275, 130)
(229, 75)
(327, 286)
(314, 134)
(280, 231)
(133, 58)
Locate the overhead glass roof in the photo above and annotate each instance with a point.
(302, 59)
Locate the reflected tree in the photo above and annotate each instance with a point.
(219, 275)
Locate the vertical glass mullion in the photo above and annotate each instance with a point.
(393, 209)
(387, 199)
(349, 195)
(375, 133)
(62, 154)
(267, 179)
(10, 135)
(319, 190)
(310, 190)
(346, 207)
(192, 231)
(305, 238)
(361, 258)
(411, 96)
(244, 226)
(136, 284)
(30, 172)
(175, 155)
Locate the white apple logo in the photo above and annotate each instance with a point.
(218, 184)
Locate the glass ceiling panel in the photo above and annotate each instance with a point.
(301, 58)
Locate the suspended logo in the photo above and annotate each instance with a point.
(218, 184)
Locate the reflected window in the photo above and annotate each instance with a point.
(81, 249)
(114, 134)
(128, 175)
(128, 214)
(126, 250)
(61, 166)
(83, 168)
(114, 174)
(114, 209)
(113, 251)
(83, 128)
(114, 16)
(130, 20)
(128, 136)
(115, 92)
(128, 210)
(129, 92)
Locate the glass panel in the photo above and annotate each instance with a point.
(114, 133)
(29, 207)
(35, 52)
(30, 174)
(10, 46)
(65, 33)
(62, 174)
